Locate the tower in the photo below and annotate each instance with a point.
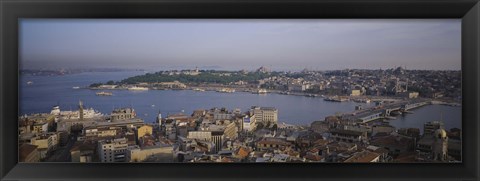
(440, 145)
(159, 119)
(80, 110)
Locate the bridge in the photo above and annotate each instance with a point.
(384, 110)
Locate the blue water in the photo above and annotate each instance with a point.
(47, 91)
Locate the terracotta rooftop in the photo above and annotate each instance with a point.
(25, 150)
(364, 156)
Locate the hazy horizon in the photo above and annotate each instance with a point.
(280, 45)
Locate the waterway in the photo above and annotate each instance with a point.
(47, 91)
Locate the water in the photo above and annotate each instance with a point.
(47, 91)
(451, 117)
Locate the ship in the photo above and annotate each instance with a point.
(226, 90)
(135, 88)
(335, 99)
(198, 89)
(261, 91)
(76, 87)
(29, 83)
(104, 93)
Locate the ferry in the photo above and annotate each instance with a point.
(104, 93)
(226, 90)
(135, 88)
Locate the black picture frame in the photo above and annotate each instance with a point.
(12, 10)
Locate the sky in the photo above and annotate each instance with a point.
(164, 44)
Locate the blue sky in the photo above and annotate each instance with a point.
(320, 44)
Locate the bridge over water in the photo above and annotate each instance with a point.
(384, 110)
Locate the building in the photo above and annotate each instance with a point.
(200, 135)
(273, 144)
(144, 130)
(348, 135)
(364, 156)
(101, 131)
(40, 127)
(156, 153)
(83, 152)
(265, 115)
(430, 127)
(48, 141)
(435, 146)
(28, 153)
(112, 150)
(355, 92)
(122, 113)
(249, 123)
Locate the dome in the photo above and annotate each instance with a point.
(441, 133)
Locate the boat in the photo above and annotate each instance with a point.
(261, 91)
(76, 87)
(198, 89)
(335, 99)
(226, 90)
(29, 83)
(135, 88)
(104, 93)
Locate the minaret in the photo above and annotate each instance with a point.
(440, 145)
(159, 119)
(80, 109)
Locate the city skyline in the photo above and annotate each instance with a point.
(281, 45)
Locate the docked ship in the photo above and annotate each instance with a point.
(104, 93)
(226, 90)
(135, 88)
(335, 99)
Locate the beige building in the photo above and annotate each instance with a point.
(265, 115)
(157, 153)
(144, 130)
(47, 141)
(355, 92)
(112, 150)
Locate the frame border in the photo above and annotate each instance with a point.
(12, 10)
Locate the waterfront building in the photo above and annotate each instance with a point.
(122, 114)
(265, 115)
(436, 145)
(430, 127)
(355, 92)
(113, 150)
(28, 153)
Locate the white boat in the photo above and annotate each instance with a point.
(29, 83)
(76, 87)
(135, 88)
(261, 91)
